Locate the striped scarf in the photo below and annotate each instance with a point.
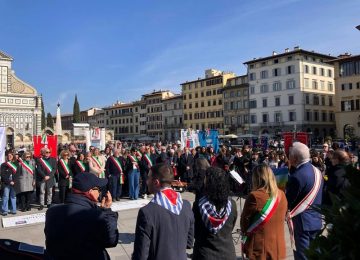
(212, 219)
(169, 199)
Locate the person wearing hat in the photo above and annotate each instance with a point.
(80, 229)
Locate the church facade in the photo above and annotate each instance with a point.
(20, 106)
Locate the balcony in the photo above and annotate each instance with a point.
(173, 126)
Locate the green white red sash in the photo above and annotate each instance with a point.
(98, 164)
(148, 160)
(134, 159)
(118, 165)
(81, 165)
(304, 204)
(26, 166)
(12, 166)
(46, 165)
(65, 166)
(263, 216)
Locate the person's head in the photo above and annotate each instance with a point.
(193, 152)
(96, 151)
(264, 178)
(27, 156)
(117, 152)
(72, 149)
(245, 149)
(107, 150)
(163, 149)
(80, 156)
(186, 150)
(89, 185)
(335, 146)
(152, 149)
(325, 147)
(160, 176)
(88, 155)
(133, 150)
(298, 153)
(142, 149)
(64, 154)
(10, 156)
(340, 157)
(203, 150)
(45, 152)
(210, 150)
(171, 152)
(201, 164)
(216, 187)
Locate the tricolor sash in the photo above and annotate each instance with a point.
(148, 160)
(26, 166)
(304, 204)
(12, 166)
(98, 164)
(46, 165)
(65, 166)
(118, 165)
(169, 199)
(134, 159)
(261, 218)
(81, 165)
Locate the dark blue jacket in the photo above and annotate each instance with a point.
(79, 229)
(299, 185)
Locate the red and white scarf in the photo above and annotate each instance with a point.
(169, 199)
(213, 220)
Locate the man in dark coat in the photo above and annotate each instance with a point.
(164, 227)
(45, 176)
(307, 223)
(114, 170)
(186, 165)
(79, 229)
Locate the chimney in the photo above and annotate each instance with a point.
(345, 55)
(296, 48)
(274, 53)
(287, 50)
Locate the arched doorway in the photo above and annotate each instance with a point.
(10, 137)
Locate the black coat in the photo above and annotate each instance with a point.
(63, 181)
(160, 234)
(79, 229)
(7, 174)
(186, 161)
(41, 172)
(214, 246)
(111, 167)
(337, 182)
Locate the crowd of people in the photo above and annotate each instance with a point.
(168, 225)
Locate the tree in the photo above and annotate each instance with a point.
(43, 119)
(49, 121)
(76, 111)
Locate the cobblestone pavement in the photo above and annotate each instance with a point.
(34, 234)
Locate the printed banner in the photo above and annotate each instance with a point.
(302, 137)
(2, 144)
(288, 140)
(51, 143)
(189, 138)
(281, 175)
(209, 138)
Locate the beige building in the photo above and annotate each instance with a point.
(20, 106)
(154, 112)
(203, 101)
(347, 100)
(173, 118)
(292, 91)
(236, 105)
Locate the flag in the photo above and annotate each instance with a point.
(2, 144)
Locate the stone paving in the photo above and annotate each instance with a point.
(34, 234)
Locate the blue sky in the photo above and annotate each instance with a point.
(108, 50)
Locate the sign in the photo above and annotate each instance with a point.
(189, 138)
(209, 138)
(80, 129)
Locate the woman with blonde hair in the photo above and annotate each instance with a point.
(263, 217)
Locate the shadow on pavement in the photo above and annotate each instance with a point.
(126, 238)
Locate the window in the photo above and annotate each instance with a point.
(214, 92)
(263, 63)
(277, 117)
(314, 84)
(290, 69)
(253, 119)
(196, 95)
(214, 102)
(322, 72)
(209, 103)
(252, 103)
(208, 93)
(239, 93)
(246, 119)
(330, 101)
(264, 88)
(184, 97)
(226, 106)
(202, 104)
(316, 116)
(239, 105)
(252, 76)
(276, 61)
(264, 101)
(202, 94)
(289, 58)
(324, 116)
(316, 100)
(314, 70)
(330, 73)
(306, 68)
(220, 101)
(277, 86)
(292, 116)
(251, 66)
(323, 100)
(190, 96)
(330, 86)
(276, 72)
(246, 104)
(357, 85)
(290, 84)
(331, 116)
(190, 105)
(265, 118)
(252, 90)
(322, 85)
(232, 94)
(277, 101)
(184, 106)
(264, 74)
(291, 100)
(196, 105)
(308, 115)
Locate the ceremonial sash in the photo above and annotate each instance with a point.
(65, 166)
(12, 166)
(304, 204)
(118, 165)
(148, 160)
(98, 164)
(26, 166)
(81, 165)
(263, 216)
(134, 159)
(46, 165)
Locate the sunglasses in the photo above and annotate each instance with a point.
(47, 152)
(27, 156)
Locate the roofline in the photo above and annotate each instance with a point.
(289, 53)
(201, 79)
(355, 57)
(158, 92)
(7, 57)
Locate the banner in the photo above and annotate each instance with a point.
(49, 141)
(301, 137)
(281, 175)
(189, 138)
(209, 138)
(2, 144)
